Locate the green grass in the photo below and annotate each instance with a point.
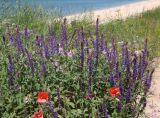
(133, 29)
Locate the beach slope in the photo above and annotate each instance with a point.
(120, 12)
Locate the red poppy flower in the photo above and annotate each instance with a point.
(114, 91)
(38, 114)
(42, 97)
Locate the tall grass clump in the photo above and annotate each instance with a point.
(75, 75)
(21, 12)
(132, 30)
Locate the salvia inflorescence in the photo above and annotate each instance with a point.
(85, 69)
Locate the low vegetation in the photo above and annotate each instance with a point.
(84, 69)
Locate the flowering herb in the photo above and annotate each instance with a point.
(42, 97)
(11, 39)
(89, 92)
(97, 43)
(114, 91)
(120, 103)
(54, 113)
(19, 41)
(87, 46)
(147, 83)
(30, 61)
(42, 41)
(111, 79)
(64, 34)
(121, 88)
(12, 81)
(96, 66)
(105, 111)
(46, 51)
(38, 114)
(135, 68)
(26, 32)
(82, 55)
(128, 97)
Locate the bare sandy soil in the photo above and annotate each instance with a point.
(152, 109)
(120, 12)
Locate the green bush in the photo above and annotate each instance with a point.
(78, 71)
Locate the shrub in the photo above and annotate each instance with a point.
(85, 75)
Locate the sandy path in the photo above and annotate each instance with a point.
(152, 109)
(120, 12)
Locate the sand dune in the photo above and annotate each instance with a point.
(120, 12)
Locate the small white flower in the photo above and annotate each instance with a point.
(56, 63)
(137, 52)
(27, 99)
(70, 54)
(104, 52)
(121, 42)
(61, 50)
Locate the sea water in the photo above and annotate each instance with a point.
(77, 6)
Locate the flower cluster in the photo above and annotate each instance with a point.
(42, 98)
(95, 77)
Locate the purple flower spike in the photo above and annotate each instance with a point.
(128, 97)
(11, 40)
(53, 45)
(59, 98)
(20, 45)
(87, 46)
(148, 81)
(146, 48)
(111, 79)
(144, 61)
(30, 61)
(50, 43)
(126, 59)
(19, 41)
(105, 111)
(135, 68)
(97, 42)
(54, 114)
(90, 65)
(90, 68)
(26, 32)
(46, 51)
(43, 70)
(107, 52)
(117, 69)
(140, 68)
(64, 34)
(10, 65)
(42, 41)
(82, 53)
(87, 43)
(12, 82)
(123, 54)
(97, 31)
(121, 87)
(120, 104)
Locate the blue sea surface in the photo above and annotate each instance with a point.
(78, 6)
